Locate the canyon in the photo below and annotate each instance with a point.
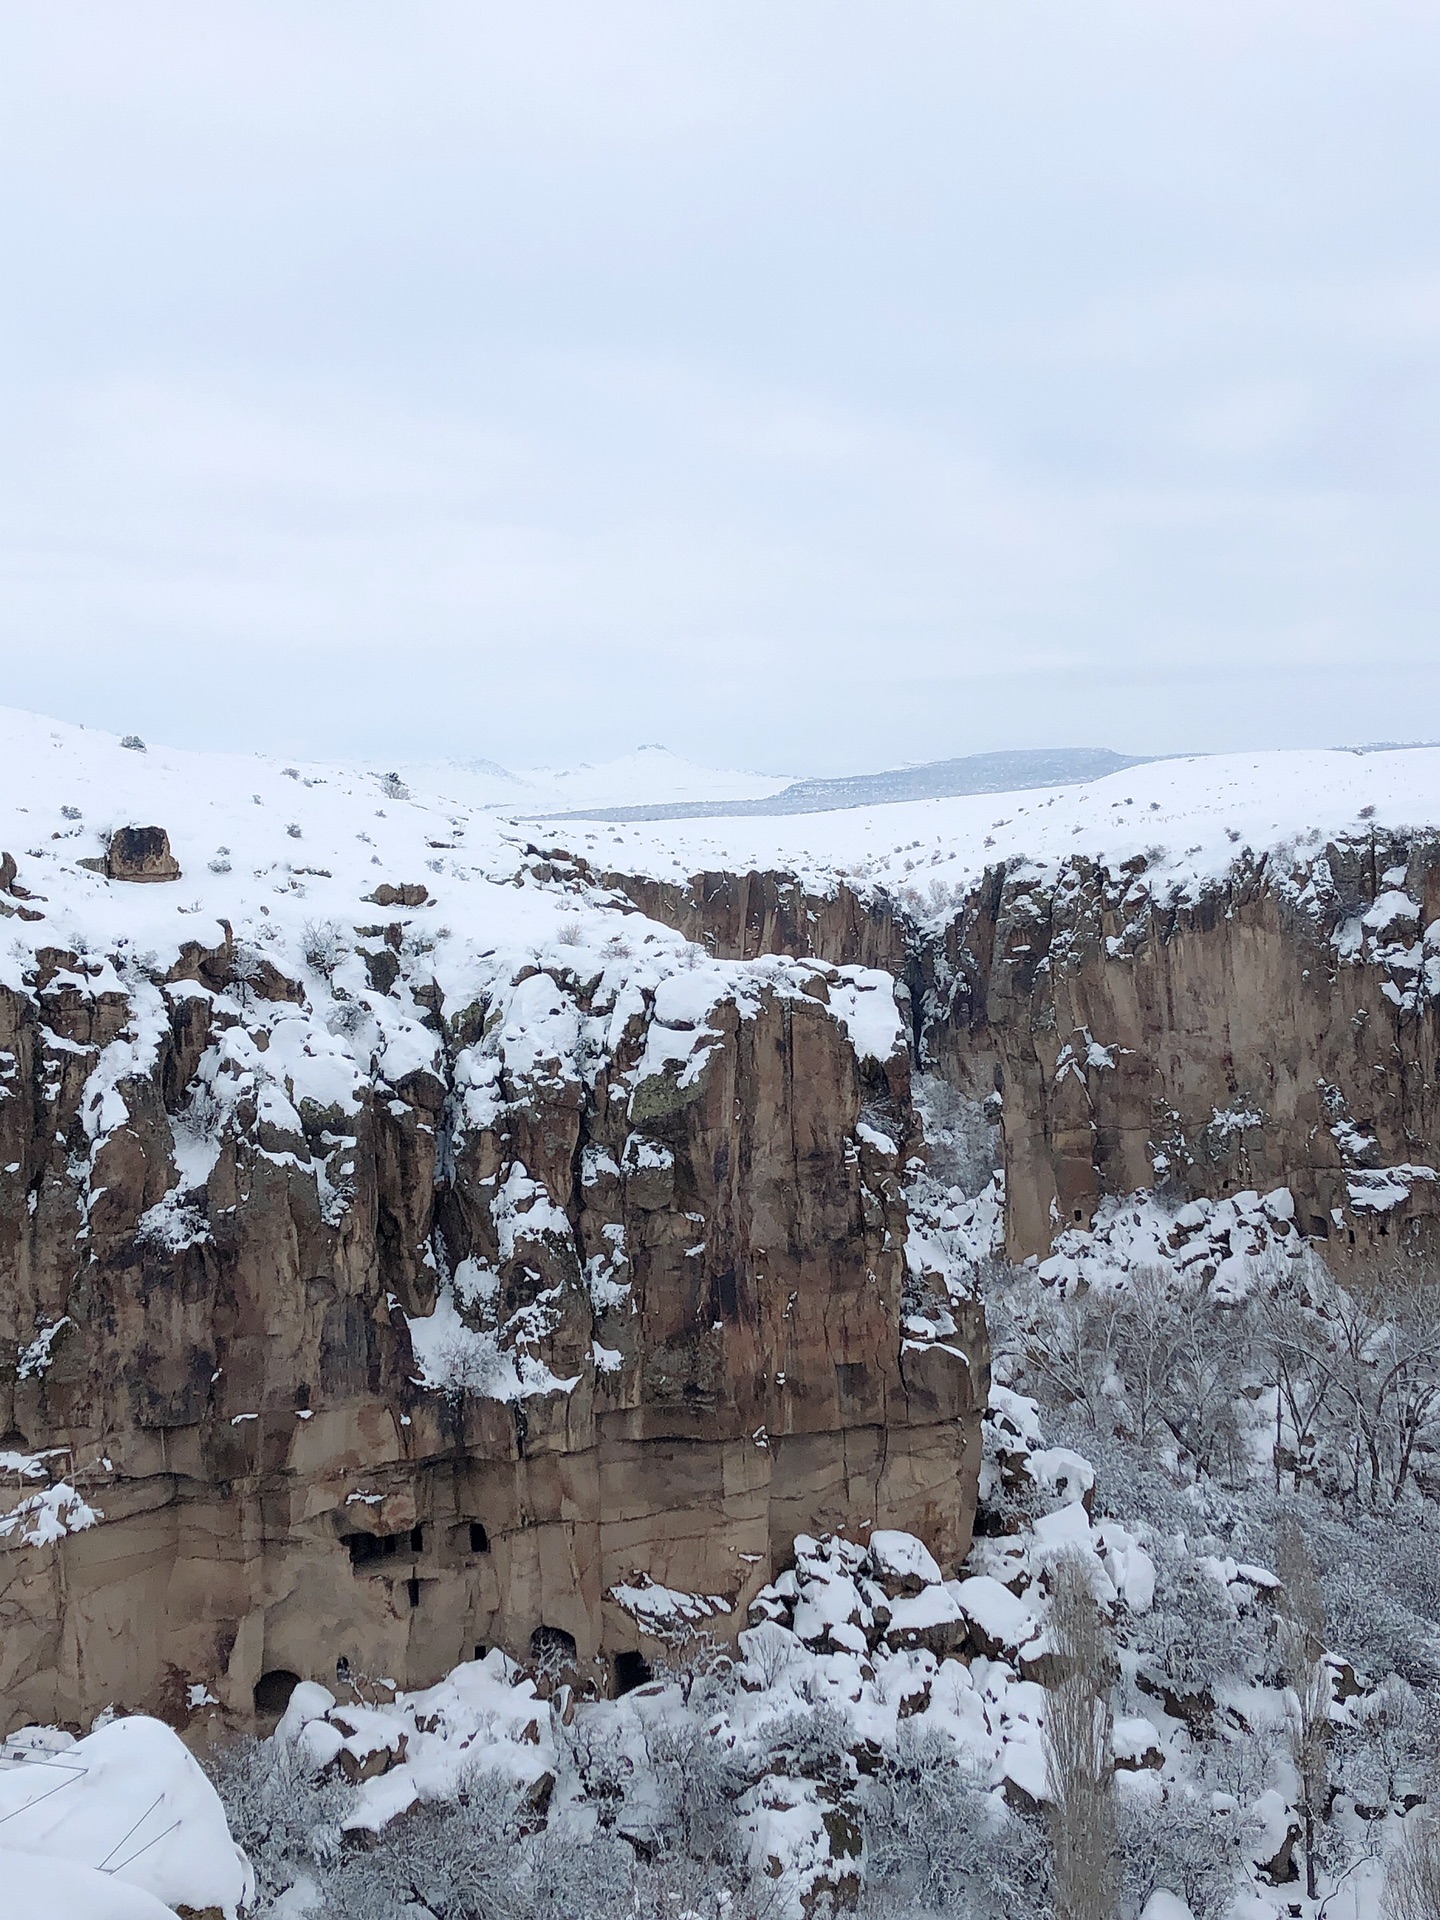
(419, 1235)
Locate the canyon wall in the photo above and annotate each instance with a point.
(1280, 1029)
(547, 1326)
(549, 1315)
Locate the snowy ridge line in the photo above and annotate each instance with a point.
(1186, 825)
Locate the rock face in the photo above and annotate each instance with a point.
(317, 1354)
(357, 1311)
(1279, 1031)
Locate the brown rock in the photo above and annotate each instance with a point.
(141, 854)
(410, 893)
(281, 1495)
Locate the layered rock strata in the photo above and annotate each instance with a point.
(357, 1320)
(1277, 1028)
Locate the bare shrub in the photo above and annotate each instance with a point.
(284, 1816)
(936, 1841)
(769, 1650)
(324, 946)
(452, 1858)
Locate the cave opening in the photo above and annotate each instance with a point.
(273, 1691)
(631, 1670)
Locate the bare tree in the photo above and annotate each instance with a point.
(1301, 1626)
(1388, 1322)
(1182, 1357)
(1079, 1767)
(1412, 1882)
(1302, 1365)
(1364, 1358)
(1072, 1352)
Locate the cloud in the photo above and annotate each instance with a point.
(807, 386)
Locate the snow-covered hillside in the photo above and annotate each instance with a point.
(264, 839)
(649, 777)
(1189, 818)
(251, 830)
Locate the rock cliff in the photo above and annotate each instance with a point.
(413, 1239)
(1276, 1026)
(370, 1293)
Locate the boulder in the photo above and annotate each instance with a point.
(410, 893)
(141, 854)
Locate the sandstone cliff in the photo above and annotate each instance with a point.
(414, 1239)
(1273, 1026)
(372, 1290)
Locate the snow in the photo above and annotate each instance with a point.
(665, 1612)
(1379, 1189)
(36, 1886)
(1234, 1242)
(42, 1518)
(1000, 1616)
(1188, 819)
(863, 1000)
(903, 1556)
(1164, 1905)
(132, 1804)
(650, 776)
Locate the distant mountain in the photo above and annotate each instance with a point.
(935, 780)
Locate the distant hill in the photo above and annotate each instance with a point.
(649, 777)
(935, 780)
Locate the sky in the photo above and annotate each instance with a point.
(807, 385)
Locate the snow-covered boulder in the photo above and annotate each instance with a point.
(130, 1805)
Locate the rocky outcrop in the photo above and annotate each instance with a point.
(1280, 1029)
(140, 854)
(360, 1313)
(354, 1322)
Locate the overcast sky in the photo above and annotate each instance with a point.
(806, 384)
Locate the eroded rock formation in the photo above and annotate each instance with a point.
(368, 1296)
(1279, 1030)
(365, 1323)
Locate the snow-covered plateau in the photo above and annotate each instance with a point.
(881, 1360)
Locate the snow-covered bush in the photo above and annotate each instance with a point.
(1185, 1844)
(939, 1842)
(962, 1136)
(453, 1858)
(283, 1813)
(324, 946)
